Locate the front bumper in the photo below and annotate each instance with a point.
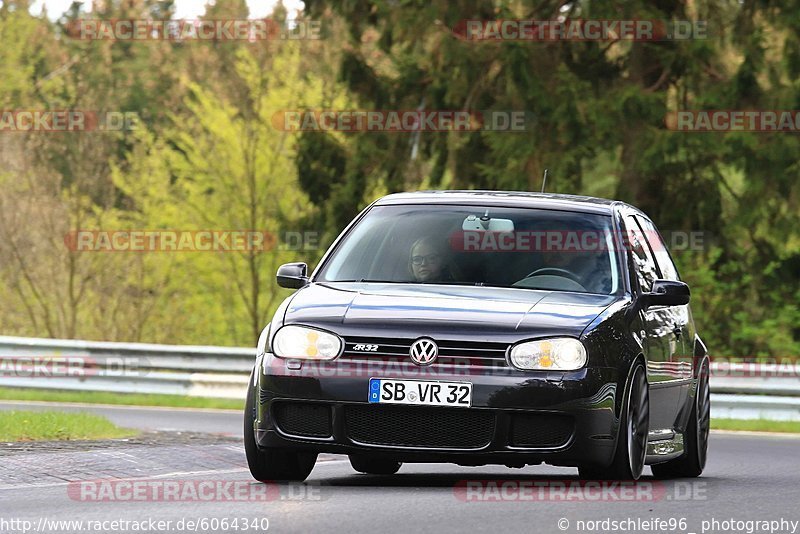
(516, 418)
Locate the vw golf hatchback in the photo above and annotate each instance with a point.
(484, 328)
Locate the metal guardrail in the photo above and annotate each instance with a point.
(739, 391)
(755, 391)
(198, 371)
(729, 406)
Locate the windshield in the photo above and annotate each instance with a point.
(472, 245)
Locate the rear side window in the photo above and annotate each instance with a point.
(643, 261)
(663, 259)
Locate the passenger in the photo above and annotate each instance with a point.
(428, 260)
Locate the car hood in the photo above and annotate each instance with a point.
(394, 309)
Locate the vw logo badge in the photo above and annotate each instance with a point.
(424, 351)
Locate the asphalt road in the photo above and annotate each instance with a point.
(749, 478)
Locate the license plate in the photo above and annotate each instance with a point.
(420, 392)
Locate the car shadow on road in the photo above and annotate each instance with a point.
(451, 480)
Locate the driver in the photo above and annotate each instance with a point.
(590, 269)
(427, 260)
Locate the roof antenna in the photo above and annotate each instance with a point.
(544, 179)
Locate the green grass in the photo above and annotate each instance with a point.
(41, 426)
(132, 399)
(756, 425)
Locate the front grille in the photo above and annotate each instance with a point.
(456, 428)
(303, 419)
(540, 430)
(449, 351)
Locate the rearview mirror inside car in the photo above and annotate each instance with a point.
(487, 224)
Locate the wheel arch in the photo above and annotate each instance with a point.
(626, 372)
(625, 375)
(700, 353)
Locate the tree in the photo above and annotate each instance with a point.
(225, 167)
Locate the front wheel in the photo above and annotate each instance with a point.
(693, 461)
(272, 464)
(631, 450)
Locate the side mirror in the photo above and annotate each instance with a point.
(293, 275)
(667, 293)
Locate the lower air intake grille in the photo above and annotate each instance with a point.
(303, 419)
(457, 428)
(540, 430)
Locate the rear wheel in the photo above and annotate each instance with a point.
(272, 464)
(693, 461)
(631, 448)
(374, 466)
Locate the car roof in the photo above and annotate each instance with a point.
(508, 199)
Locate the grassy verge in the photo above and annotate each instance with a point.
(756, 425)
(39, 426)
(133, 399)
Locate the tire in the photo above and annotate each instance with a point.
(631, 449)
(272, 464)
(693, 460)
(374, 466)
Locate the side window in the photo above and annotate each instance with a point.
(663, 259)
(643, 261)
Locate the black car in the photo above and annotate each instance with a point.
(480, 327)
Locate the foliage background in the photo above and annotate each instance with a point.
(206, 156)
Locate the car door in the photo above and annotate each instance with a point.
(681, 316)
(681, 364)
(660, 342)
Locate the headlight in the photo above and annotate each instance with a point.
(556, 354)
(305, 343)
